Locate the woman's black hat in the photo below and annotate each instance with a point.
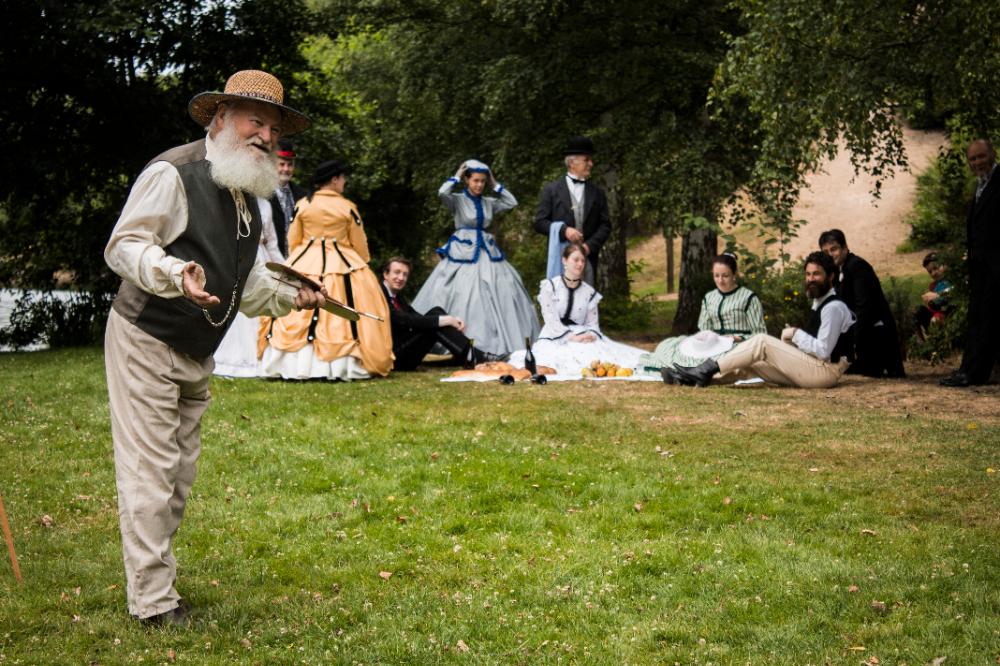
(327, 170)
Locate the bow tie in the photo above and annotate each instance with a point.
(577, 180)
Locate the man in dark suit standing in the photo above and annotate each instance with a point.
(286, 194)
(413, 334)
(982, 224)
(580, 205)
(876, 344)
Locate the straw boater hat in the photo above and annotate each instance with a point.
(250, 85)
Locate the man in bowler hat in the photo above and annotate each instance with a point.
(580, 206)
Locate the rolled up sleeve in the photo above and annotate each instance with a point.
(154, 216)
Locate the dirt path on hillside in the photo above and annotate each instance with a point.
(874, 228)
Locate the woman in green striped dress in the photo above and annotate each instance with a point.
(729, 310)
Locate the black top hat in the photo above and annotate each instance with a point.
(579, 145)
(327, 170)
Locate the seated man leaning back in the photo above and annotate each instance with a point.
(814, 355)
(413, 334)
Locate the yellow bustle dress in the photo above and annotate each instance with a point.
(327, 242)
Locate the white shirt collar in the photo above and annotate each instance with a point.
(389, 289)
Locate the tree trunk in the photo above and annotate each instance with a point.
(612, 264)
(668, 237)
(697, 250)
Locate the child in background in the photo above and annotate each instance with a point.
(935, 298)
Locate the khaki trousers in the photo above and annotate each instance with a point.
(778, 362)
(157, 397)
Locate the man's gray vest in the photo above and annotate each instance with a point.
(210, 240)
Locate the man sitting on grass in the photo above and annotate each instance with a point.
(813, 356)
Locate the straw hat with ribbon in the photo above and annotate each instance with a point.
(249, 85)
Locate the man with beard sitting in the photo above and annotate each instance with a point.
(813, 356)
(186, 249)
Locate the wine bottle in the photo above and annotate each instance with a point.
(529, 358)
(470, 355)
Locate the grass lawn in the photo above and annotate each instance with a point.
(604, 523)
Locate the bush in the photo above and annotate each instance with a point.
(628, 314)
(43, 317)
(781, 291)
(943, 191)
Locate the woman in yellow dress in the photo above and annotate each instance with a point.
(327, 242)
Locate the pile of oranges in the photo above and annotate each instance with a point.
(604, 369)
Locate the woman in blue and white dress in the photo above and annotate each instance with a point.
(571, 338)
(473, 281)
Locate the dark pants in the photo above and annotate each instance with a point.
(983, 335)
(411, 347)
(877, 353)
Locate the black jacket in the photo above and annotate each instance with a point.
(982, 224)
(555, 205)
(278, 215)
(405, 320)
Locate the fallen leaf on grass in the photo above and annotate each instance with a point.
(385, 575)
(171, 655)
(246, 643)
(462, 647)
(46, 521)
(814, 469)
(435, 455)
(937, 661)
(872, 661)
(113, 586)
(244, 417)
(727, 500)
(868, 532)
(76, 618)
(880, 607)
(990, 470)
(214, 583)
(637, 506)
(852, 588)
(400, 519)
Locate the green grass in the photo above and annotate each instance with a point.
(603, 523)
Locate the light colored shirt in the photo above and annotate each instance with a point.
(984, 181)
(575, 189)
(835, 320)
(154, 216)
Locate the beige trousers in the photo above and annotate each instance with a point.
(778, 362)
(157, 397)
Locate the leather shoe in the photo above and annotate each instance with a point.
(956, 380)
(671, 377)
(489, 357)
(175, 617)
(698, 376)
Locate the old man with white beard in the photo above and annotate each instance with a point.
(185, 247)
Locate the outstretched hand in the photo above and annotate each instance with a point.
(193, 285)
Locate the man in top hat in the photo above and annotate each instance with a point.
(813, 356)
(577, 206)
(982, 225)
(185, 247)
(287, 193)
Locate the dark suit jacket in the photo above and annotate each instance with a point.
(982, 225)
(405, 320)
(555, 205)
(278, 215)
(861, 290)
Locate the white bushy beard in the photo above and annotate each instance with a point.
(236, 164)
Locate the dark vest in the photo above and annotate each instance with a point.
(844, 347)
(210, 240)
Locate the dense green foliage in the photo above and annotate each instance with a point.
(605, 523)
(93, 91)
